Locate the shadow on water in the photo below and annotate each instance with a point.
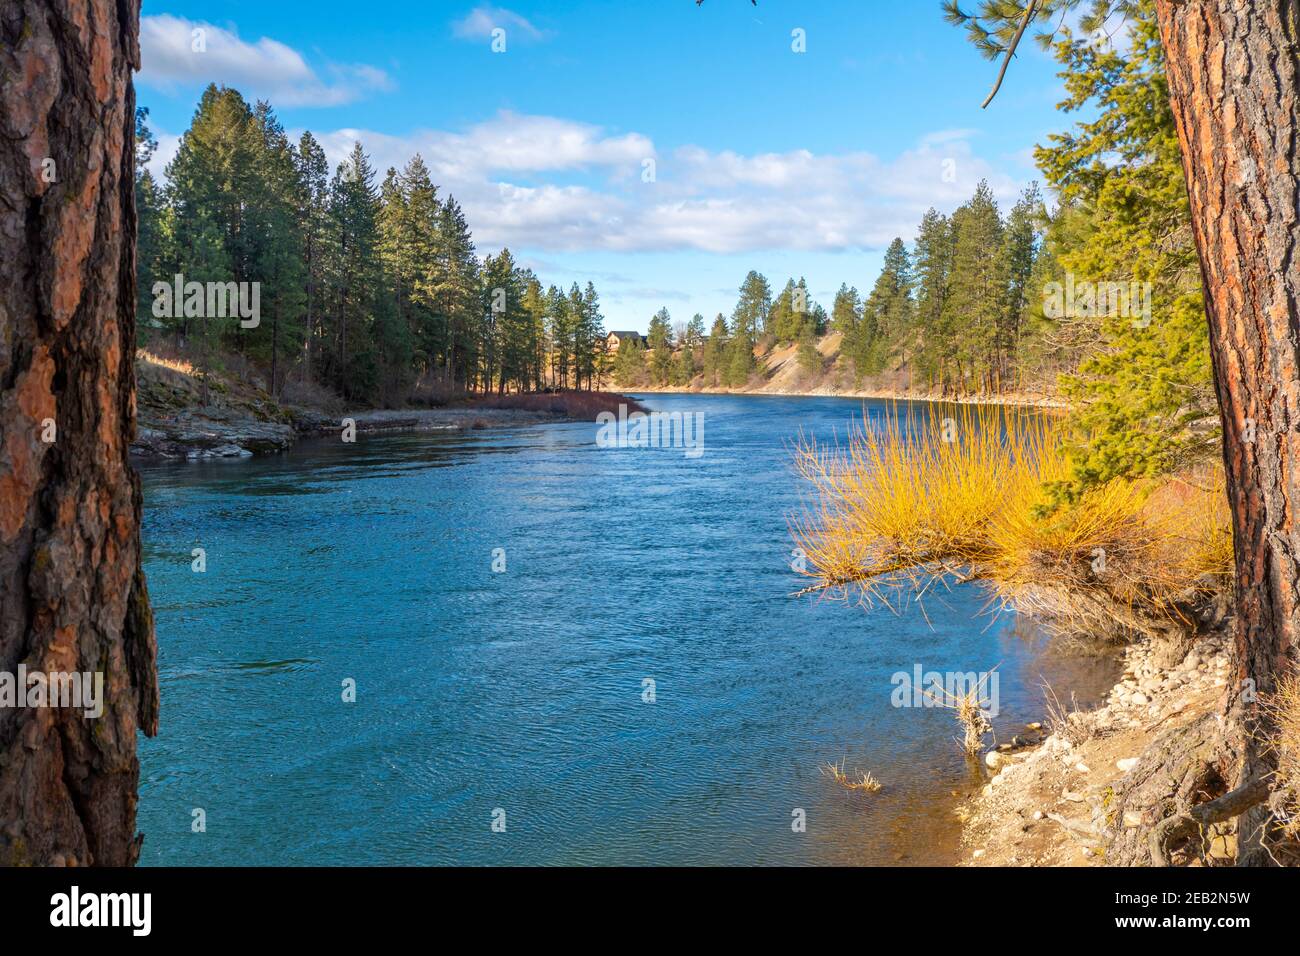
(526, 689)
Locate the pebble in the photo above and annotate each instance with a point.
(1127, 764)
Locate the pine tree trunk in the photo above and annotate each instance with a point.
(1233, 70)
(72, 596)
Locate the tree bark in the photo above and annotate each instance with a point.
(72, 595)
(1234, 80)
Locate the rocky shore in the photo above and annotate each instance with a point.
(180, 417)
(1049, 802)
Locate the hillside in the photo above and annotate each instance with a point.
(780, 372)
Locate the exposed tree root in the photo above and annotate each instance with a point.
(1180, 790)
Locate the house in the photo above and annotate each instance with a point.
(614, 339)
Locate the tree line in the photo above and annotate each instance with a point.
(370, 286)
(965, 308)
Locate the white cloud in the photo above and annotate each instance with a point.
(479, 23)
(266, 68)
(552, 185)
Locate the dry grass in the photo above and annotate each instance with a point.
(1072, 724)
(175, 363)
(1283, 709)
(864, 782)
(912, 501)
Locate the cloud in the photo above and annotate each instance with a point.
(479, 23)
(551, 185)
(266, 68)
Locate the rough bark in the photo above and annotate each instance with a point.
(1234, 78)
(72, 596)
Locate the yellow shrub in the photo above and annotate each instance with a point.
(914, 498)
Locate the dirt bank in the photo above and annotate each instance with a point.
(1048, 804)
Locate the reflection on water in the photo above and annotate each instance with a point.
(523, 690)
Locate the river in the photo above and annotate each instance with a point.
(594, 649)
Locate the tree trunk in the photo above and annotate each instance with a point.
(72, 595)
(1233, 70)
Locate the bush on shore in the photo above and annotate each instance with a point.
(915, 500)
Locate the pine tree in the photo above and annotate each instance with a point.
(274, 240)
(312, 180)
(694, 336)
(355, 276)
(1021, 253)
(590, 338)
(1125, 218)
(977, 291)
(932, 263)
(715, 353)
(659, 339)
(153, 218)
(455, 290)
(886, 315)
(846, 312)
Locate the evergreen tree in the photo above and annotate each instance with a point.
(886, 315)
(715, 353)
(275, 242)
(659, 339)
(152, 216)
(694, 336)
(313, 192)
(455, 294)
(932, 263)
(356, 277)
(846, 312)
(977, 292)
(1021, 253)
(1144, 396)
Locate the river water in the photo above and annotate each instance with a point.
(594, 649)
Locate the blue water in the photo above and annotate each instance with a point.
(522, 691)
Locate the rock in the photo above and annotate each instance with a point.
(1082, 767)
(1139, 699)
(977, 854)
(1038, 814)
(1132, 818)
(993, 759)
(1127, 764)
(1034, 726)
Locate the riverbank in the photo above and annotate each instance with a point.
(1051, 803)
(1011, 399)
(182, 416)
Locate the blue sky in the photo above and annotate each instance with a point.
(795, 164)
